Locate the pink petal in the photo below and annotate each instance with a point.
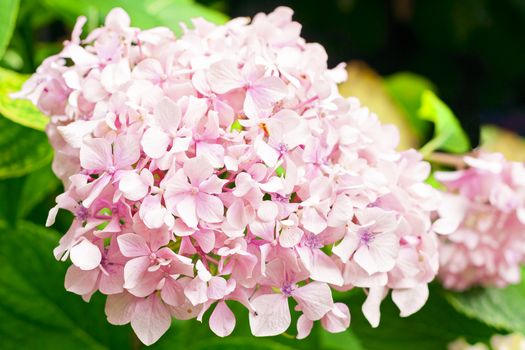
(168, 116)
(380, 255)
(150, 320)
(337, 320)
(95, 154)
(195, 291)
(261, 97)
(371, 305)
(173, 293)
(217, 288)
(126, 151)
(155, 142)
(313, 221)
(120, 307)
(187, 210)
(85, 255)
(222, 320)
(133, 186)
(224, 76)
(314, 299)
(209, 208)
(410, 300)
(79, 281)
(134, 270)
(212, 185)
(304, 327)
(197, 170)
(133, 245)
(271, 316)
(267, 154)
(347, 246)
(115, 75)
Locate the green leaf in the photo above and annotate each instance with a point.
(36, 311)
(407, 88)
(19, 111)
(37, 185)
(500, 308)
(431, 328)
(22, 150)
(506, 142)
(340, 341)
(448, 134)
(144, 14)
(8, 13)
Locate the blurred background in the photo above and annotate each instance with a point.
(471, 53)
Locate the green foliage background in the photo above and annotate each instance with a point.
(37, 313)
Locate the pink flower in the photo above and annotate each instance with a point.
(272, 315)
(223, 165)
(373, 243)
(261, 91)
(191, 193)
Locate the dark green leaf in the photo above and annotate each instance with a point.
(8, 13)
(500, 308)
(36, 311)
(22, 150)
(20, 111)
(448, 134)
(37, 185)
(431, 328)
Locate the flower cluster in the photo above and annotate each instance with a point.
(483, 217)
(224, 166)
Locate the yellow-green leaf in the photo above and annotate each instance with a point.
(8, 13)
(448, 134)
(495, 139)
(19, 111)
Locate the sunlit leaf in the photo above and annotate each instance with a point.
(448, 134)
(22, 150)
(20, 111)
(365, 84)
(144, 14)
(495, 139)
(36, 311)
(8, 13)
(407, 88)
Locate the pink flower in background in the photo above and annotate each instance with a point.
(224, 167)
(484, 243)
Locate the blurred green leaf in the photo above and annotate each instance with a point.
(22, 112)
(340, 341)
(37, 185)
(22, 150)
(407, 88)
(431, 328)
(8, 13)
(448, 134)
(508, 143)
(144, 14)
(36, 311)
(503, 308)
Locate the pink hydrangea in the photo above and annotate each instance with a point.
(482, 218)
(224, 166)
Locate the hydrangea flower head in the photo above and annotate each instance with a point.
(223, 166)
(482, 218)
